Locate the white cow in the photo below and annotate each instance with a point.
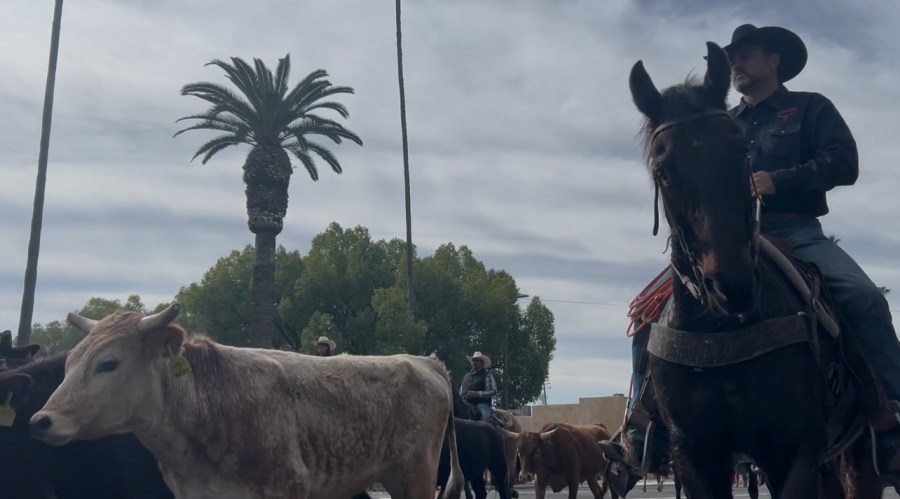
(253, 423)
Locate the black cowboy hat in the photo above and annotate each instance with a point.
(775, 39)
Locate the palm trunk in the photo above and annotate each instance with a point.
(37, 216)
(410, 296)
(263, 326)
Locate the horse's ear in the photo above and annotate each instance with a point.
(643, 91)
(718, 73)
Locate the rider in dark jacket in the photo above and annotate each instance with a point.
(479, 386)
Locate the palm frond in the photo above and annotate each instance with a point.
(215, 145)
(281, 75)
(327, 155)
(242, 76)
(221, 124)
(223, 99)
(264, 78)
(317, 125)
(308, 163)
(334, 106)
(312, 83)
(260, 109)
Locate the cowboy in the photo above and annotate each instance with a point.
(478, 386)
(325, 347)
(800, 148)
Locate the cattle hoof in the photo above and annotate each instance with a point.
(514, 494)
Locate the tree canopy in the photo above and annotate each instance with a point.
(352, 289)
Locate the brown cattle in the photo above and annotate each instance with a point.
(563, 455)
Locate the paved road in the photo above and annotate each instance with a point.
(667, 493)
(526, 492)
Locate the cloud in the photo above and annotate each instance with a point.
(523, 143)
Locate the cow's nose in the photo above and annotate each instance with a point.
(40, 423)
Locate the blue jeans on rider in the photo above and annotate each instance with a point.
(861, 303)
(485, 411)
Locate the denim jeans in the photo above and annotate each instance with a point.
(485, 411)
(861, 304)
(638, 345)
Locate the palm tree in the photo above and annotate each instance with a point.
(274, 120)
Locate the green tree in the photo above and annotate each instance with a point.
(468, 307)
(353, 289)
(220, 305)
(531, 350)
(320, 324)
(60, 336)
(396, 329)
(274, 120)
(343, 269)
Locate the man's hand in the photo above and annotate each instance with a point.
(471, 394)
(761, 184)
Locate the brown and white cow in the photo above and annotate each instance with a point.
(563, 455)
(254, 423)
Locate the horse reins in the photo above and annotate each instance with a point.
(692, 286)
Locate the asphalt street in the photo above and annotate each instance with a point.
(668, 492)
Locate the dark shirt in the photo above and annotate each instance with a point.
(480, 381)
(802, 140)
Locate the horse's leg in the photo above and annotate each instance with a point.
(752, 487)
(801, 481)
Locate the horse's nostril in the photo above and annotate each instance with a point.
(41, 423)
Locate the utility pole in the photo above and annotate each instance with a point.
(37, 216)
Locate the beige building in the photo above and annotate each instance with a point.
(607, 410)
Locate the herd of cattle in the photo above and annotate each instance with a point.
(138, 410)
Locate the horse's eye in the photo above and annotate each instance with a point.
(108, 366)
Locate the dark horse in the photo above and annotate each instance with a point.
(738, 368)
(465, 410)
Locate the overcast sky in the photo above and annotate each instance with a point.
(523, 142)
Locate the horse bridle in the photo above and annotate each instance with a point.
(691, 285)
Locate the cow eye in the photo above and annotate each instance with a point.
(108, 366)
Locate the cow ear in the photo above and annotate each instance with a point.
(14, 388)
(165, 342)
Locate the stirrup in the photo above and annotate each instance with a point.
(612, 450)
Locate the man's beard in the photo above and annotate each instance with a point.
(745, 84)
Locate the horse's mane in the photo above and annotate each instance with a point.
(679, 100)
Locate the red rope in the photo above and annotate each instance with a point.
(648, 304)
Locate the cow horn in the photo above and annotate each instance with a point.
(547, 434)
(160, 319)
(510, 434)
(82, 323)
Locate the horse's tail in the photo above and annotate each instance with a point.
(456, 480)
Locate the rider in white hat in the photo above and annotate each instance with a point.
(325, 347)
(479, 386)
